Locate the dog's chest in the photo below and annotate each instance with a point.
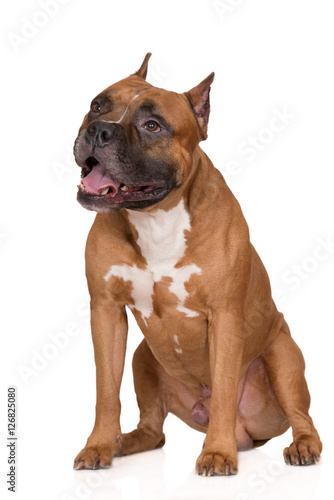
(162, 242)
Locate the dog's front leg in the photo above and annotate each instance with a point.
(109, 332)
(219, 454)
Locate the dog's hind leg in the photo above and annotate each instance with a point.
(151, 401)
(285, 367)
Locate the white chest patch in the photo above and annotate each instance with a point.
(162, 243)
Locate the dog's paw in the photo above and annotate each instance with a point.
(139, 440)
(303, 451)
(216, 464)
(94, 457)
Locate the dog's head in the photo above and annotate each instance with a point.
(135, 145)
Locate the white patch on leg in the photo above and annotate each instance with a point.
(162, 242)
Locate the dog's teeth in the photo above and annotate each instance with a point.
(104, 191)
(124, 188)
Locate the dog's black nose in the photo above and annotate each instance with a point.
(100, 133)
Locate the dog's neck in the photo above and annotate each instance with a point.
(161, 229)
(160, 234)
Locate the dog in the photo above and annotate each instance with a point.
(170, 243)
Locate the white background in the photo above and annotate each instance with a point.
(268, 56)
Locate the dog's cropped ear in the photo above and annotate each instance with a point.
(142, 72)
(200, 102)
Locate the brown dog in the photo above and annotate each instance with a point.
(171, 243)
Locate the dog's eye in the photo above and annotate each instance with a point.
(152, 126)
(95, 107)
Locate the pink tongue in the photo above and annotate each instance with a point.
(99, 179)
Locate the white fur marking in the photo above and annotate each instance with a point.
(188, 312)
(121, 118)
(142, 287)
(162, 243)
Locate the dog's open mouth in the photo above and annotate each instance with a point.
(96, 181)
